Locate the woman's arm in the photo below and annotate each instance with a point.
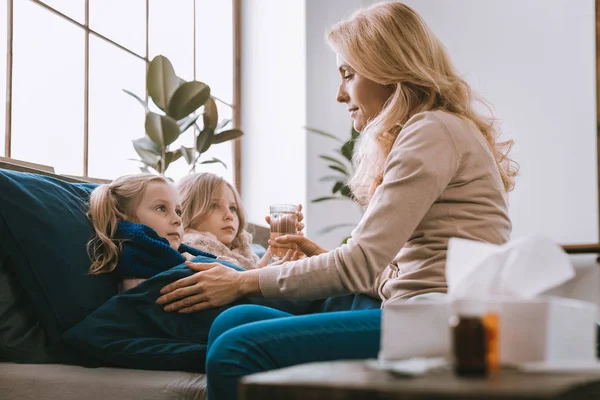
(211, 286)
(421, 164)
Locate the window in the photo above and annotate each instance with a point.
(67, 61)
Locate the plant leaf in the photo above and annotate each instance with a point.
(345, 240)
(347, 192)
(148, 151)
(334, 160)
(331, 228)
(211, 114)
(347, 150)
(204, 140)
(227, 135)
(162, 81)
(144, 169)
(336, 188)
(322, 133)
(214, 160)
(186, 122)
(188, 154)
(171, 156)
(162, 129)
(328, 178)
(187, 98)
(320, 199)
(354, 133)
(135, 96)
(339, 169)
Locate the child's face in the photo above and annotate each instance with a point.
(222, 219)
(160, 209)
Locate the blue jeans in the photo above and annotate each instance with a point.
(248, 338)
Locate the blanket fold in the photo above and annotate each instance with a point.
(145, 254)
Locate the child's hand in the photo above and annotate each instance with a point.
(129, 283)
(299, 219)
(291, 255)
(264, 260)
(187, 256)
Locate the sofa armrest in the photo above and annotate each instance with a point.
(260, 234)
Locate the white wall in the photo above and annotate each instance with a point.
(323, 112)
(534, 60)
(273, 104)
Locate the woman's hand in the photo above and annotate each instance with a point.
(213, 285)
(187, 256)
(306, 246)
(264, 260)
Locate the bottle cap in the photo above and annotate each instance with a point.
(469, 307)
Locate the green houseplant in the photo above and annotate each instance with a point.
(341, 164)
(179, 102)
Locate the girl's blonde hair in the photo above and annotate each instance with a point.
(197, 191)
(110, 203)
(390, 44)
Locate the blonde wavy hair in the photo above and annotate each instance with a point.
(110, 203)
(197, 191)
(390, 44)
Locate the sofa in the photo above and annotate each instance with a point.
(34, 364)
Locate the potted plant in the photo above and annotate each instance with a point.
(181, 104)
(341, 164)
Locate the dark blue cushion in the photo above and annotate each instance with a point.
(44, 232)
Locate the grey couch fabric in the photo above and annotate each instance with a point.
(260, 234)
(67, 382)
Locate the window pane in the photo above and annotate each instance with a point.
(115, 118)
(71, 8)
(48, 80)
(214, 65)
(172, 34)
(214, 41)
(121, 21)
(2, 78)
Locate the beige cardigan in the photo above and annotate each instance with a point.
(440, 181)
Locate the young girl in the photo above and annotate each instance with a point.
(138, 225)
(215, 222)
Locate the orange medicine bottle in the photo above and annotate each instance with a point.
(469, 338)
(491, 322)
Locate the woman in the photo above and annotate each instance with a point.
(428, 168)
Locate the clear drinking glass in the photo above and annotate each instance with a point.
(283, 222)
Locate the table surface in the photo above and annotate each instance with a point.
(356, 380)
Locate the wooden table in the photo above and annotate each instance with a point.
(354, 380)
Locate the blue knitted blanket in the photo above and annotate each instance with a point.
(145, 254)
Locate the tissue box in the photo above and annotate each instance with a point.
(415, 329)
(536, 330)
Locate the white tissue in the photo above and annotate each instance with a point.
(522, 268)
